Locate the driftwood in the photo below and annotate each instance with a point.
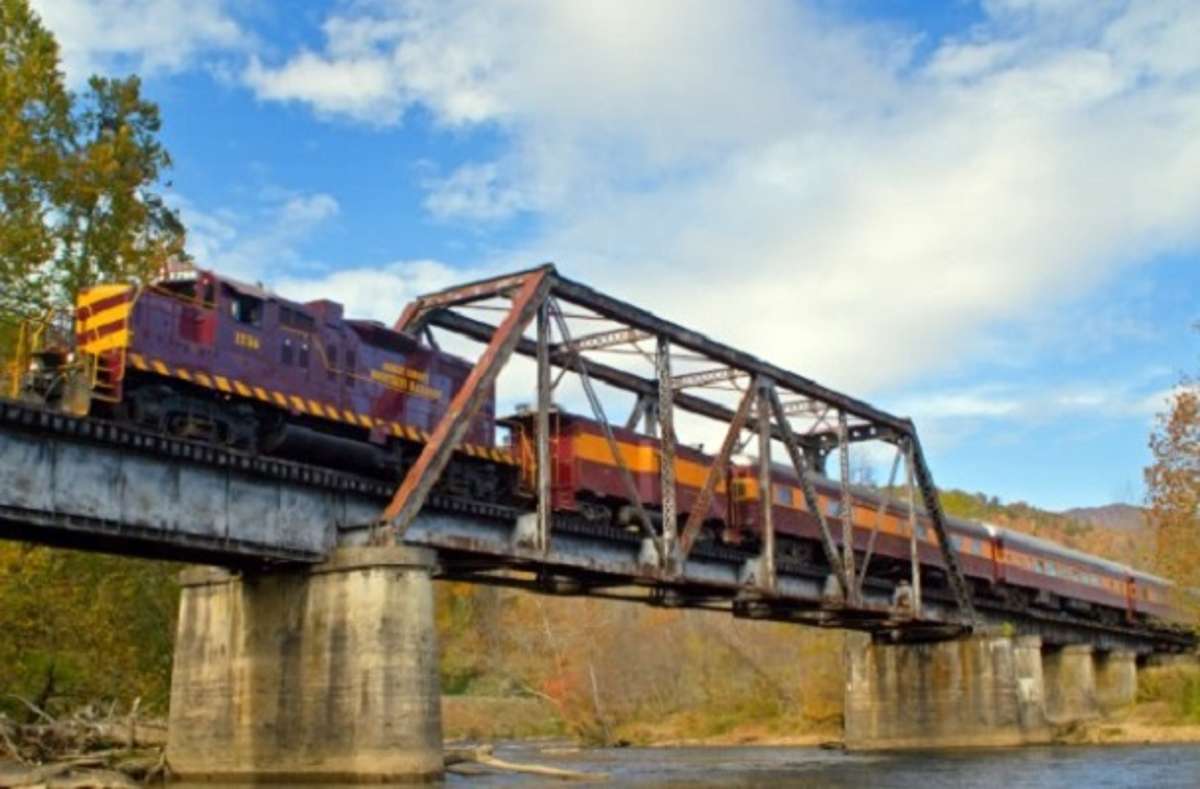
(476, 761)
(94, 746)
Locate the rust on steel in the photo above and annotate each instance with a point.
(666, 425)
(532, 289)
(859, 421)
(542, 427)
(411, 319)
(847, 508)
(765, 497)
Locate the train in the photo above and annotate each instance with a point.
(203, 356)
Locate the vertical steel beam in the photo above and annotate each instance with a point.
(847, 508)
(765, 497)
(424, 474)
(542, 428)
(666, 421)
(720, 464)
(799, 462)
(914, 552)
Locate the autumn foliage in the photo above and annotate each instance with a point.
(1173, 491)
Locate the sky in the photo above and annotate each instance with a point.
(983, 215)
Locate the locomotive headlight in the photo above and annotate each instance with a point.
(35, 365)
(71, 357)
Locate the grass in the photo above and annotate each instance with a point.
(1176, 686)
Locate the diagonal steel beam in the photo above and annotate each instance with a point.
(532, 290)
(884, 500)
(720, 463)
(810, 493)
(933, 510)
(598, 410)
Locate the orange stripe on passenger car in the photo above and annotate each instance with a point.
(640, 459)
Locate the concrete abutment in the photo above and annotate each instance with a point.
(316, 674)
(985, 690)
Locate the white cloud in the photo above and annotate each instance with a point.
(142, 36)
(474, 191)
(792, 182)
(959, 413)
(262, 244)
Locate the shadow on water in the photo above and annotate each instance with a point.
(1076, 767)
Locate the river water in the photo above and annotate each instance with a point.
(1076, 767)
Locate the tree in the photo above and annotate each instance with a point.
(77, 205)
(77, 176)
(1173, 490)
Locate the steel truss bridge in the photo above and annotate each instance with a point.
(90, 484)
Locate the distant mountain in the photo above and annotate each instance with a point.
(1119, 517)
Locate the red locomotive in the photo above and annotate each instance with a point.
(206, 357)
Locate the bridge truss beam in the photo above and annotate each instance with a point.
(835, 420)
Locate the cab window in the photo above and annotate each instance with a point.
(247, 310)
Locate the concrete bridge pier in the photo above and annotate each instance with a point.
(985, 690)
(1116, 679)
(317, 674)
(1070, 684)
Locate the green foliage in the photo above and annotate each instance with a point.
(80, 627)
(77, 176)
(1177, 686)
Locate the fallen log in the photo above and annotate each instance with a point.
(464, 760)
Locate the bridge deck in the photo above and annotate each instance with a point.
(83, 483)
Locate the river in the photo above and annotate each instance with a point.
(1076, 767)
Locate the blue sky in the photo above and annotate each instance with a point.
(985, 215)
